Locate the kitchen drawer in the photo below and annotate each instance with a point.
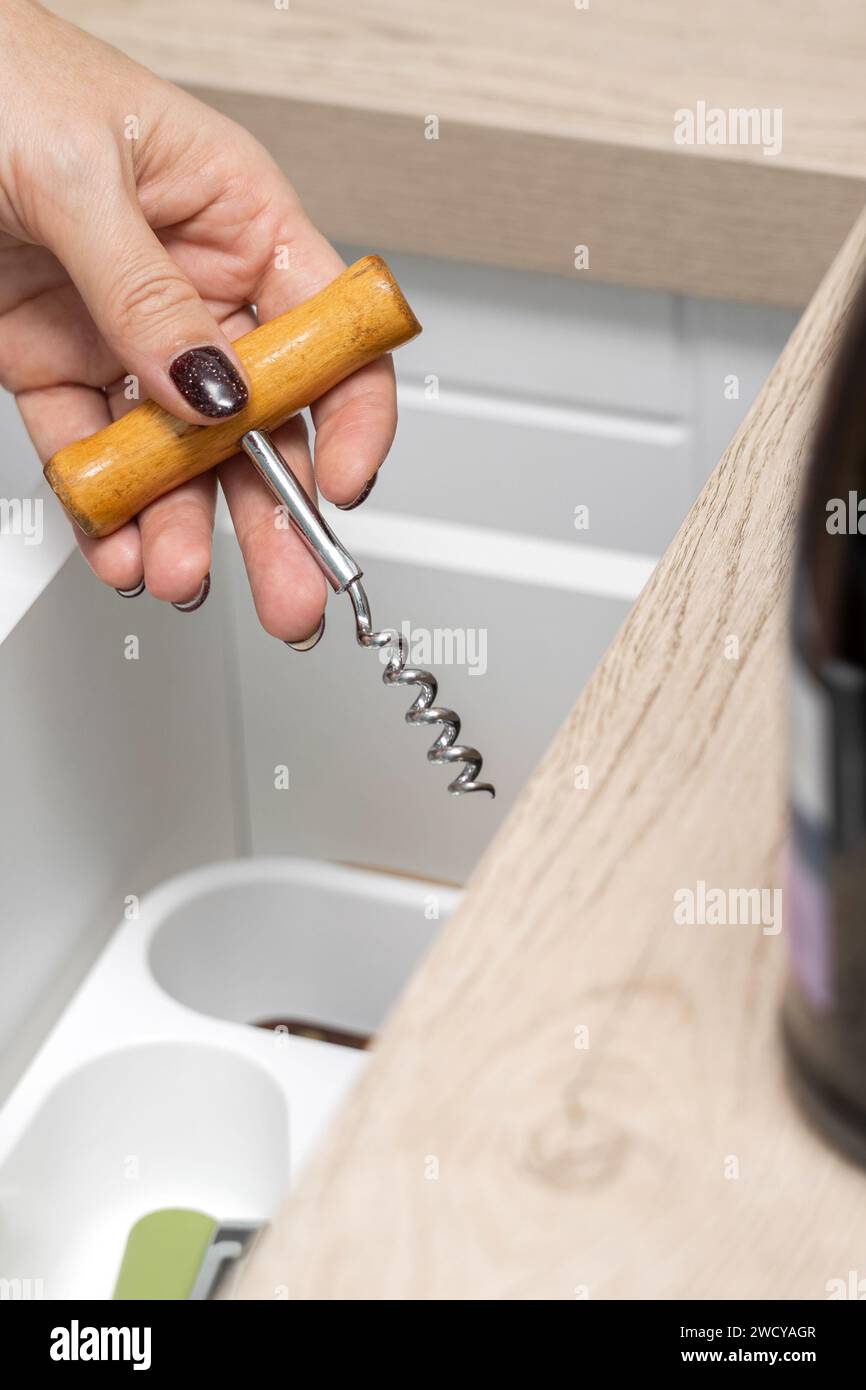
(547, 337)
(526, 470)
(360, 787)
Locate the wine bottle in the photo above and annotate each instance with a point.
(825, 1006)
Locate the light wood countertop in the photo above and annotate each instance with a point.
(611, 1169)
(555, 125)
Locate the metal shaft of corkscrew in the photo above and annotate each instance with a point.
(344, 574)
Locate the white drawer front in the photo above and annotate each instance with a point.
(360, 787)
(545, 336)
(566, 475)
(732, 350)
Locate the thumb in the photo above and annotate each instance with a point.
(151, 315)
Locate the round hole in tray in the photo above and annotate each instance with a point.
(318, 951)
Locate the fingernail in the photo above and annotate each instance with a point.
(209, 382)
(308, 643)
(362, 496)
(192, 604)
(133, 592)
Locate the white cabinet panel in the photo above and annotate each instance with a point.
(732, 348)
(361, 788)
(545, 336)
(115, 773)
(632, 394)
(529, 470)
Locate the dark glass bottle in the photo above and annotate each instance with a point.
(825, 1005)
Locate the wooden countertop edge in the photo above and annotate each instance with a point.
(556, 128)
(577, 1097)
(649, 216)
(573, 132)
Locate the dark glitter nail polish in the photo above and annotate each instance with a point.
(362, 495)
(207, 380)
(197, 600)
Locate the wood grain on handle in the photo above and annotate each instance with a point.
(106, 479)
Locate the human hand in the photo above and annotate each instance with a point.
(137, 226)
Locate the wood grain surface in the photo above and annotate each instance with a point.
(488, 1153)
(107, 478)
(556, 125)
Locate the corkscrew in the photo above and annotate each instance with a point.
(344, 574)
(105, 480)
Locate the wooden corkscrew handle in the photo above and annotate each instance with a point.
(105, 480)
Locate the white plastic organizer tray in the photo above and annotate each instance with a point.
(153, 1090)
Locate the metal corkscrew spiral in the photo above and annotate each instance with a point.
(445, 748)
(344, 575)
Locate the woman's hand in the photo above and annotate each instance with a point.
(137, 226)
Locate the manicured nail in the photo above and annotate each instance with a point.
(362, 496)
(308, 643)
(133, 592)
(207, 380)
(192, 604)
